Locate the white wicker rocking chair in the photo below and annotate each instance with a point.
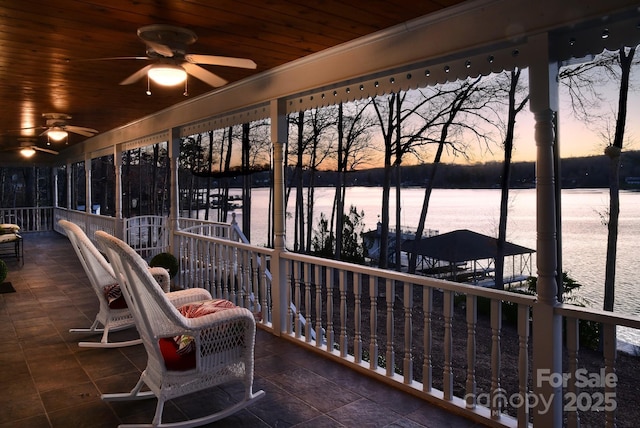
(100, 273)
(223, 341)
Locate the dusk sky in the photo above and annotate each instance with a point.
(576, 138)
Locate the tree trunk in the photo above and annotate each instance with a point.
(209, 169)
(339, 202)
(505, 179)
(246, 182)
(298, 244)
(613, 152)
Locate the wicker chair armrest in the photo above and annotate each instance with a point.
(190, 295)
(161, 276)
(227, 316)
(223, 337)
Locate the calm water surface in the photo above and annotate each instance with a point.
(584, 233)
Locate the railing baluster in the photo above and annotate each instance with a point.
(408, 333)
(472, 319)
(373, 322)
(254, 294)
(264, 291)
(210, 284)
(610, 343)
(308, 326)
(447, 382)
(523, 362)
(219, 273)
(427, 367)
(330, 309)
(297, 299)
(191, 260)
(573, 346)
(234, 271)
(198, 274)
(357, 318)
(391, 297)
(318, 284)
(496, 326)
(244, 288)
(290, 275)
(343, 314)
(230, 274)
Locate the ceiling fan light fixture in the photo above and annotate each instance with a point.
(167, 74)
(27, 152)
(57, 134)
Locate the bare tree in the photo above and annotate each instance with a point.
(314, 141)
(321, 121)
(581, 82)
(393, 114)
(514, 107)
(452, 110)
(354, 135)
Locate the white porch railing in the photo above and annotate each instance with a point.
(88, 222)
(148, 235)
(229, 270)
(605, 395)
(403, 329)
(385, 324)
(37, 219)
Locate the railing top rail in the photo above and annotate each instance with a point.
(598, 315)
(144, 217)
(201, 222)
(225, 241)
(416, 279)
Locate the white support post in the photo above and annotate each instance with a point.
(54, 179)
(547, 326)
(69, 186)
(173, 151)
(87, 183)
(279, 136)
(117, 165)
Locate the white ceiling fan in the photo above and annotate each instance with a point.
(28, 148)
(166, 46)
(57, 129)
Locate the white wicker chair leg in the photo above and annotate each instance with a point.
(134, 394)
(93, 329)
(157, 420)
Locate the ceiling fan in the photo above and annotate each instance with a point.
(57, 129)
(29, 148)
(166, 46)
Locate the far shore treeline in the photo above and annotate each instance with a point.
(578, 172)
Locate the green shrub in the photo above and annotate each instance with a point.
(167, 261)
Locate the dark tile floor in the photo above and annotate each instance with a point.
(48, 381)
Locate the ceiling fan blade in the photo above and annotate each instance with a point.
(87, 132)
(220, 60)
(136, 76)
(25, 129)
(161, 49)
(42, 149)
(113, 58)
(204, 75)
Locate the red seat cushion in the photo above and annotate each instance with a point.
(174, 361)
(179, 352)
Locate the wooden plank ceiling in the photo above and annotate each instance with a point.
(45, 45)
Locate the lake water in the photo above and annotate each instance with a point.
(584, 235)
